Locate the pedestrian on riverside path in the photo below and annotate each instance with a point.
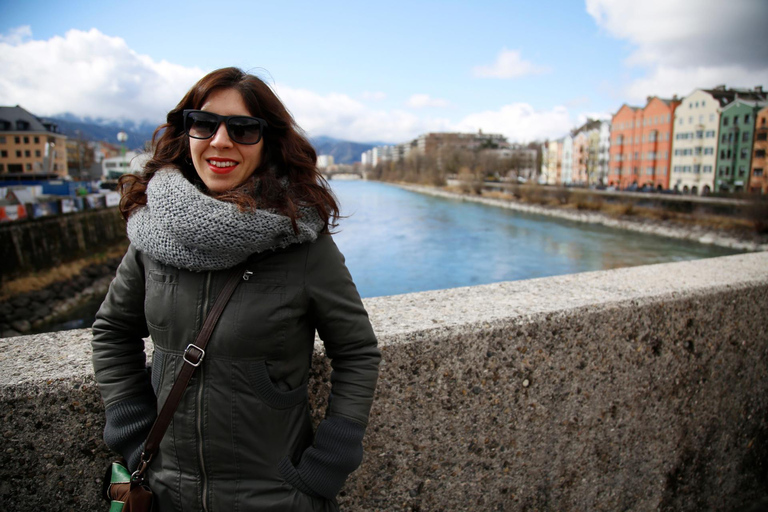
(232, 180)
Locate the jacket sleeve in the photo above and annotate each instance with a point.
(350, 343)
(119, 361)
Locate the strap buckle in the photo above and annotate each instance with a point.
(196, 353)
(138, 476)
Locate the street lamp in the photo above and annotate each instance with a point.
(122, 137)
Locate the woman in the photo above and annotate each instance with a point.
(232, 180)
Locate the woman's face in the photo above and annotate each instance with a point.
(221, 163)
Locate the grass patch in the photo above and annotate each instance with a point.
(39, 280)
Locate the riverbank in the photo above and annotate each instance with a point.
(702, 232)
(33, 303)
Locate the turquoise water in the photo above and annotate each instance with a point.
(396, 241)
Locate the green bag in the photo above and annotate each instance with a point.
(124, 493)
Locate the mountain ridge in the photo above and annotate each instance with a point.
(140, 134)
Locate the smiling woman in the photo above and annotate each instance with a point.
(232, 189)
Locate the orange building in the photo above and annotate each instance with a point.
(641, 144)
(625, 130)
(758, 182)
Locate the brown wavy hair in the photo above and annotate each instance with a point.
(287, 154)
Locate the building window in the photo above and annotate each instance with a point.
(649, 171)
(711, 117)
(742, 171)
(760, 153)
(4, 154)
(744, 153)
(735, 120)
(709, 151)
(2, 168)
(745, 136)
(724, 139)
(686, 168)
(17, 140)
(707, 169)
(37, 153)
(746, 118)
(26, 140)
(697, 169)
(55, 167)
(710, 134)
(720, 171)
(29, 167)
(2, 139)
(725, 121)
(690, 119)
(37, 140)
(761, 136)
(757, 171)
(697, 151)
(27, 153)
(18, 153)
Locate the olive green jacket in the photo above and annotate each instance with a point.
(241, 439)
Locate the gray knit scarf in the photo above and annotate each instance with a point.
(183, 227)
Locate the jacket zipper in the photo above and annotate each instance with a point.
(200, 373)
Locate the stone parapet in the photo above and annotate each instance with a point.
(634, 389)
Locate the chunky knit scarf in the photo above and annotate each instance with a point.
(183, 227)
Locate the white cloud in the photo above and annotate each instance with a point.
(338, 115)
(509, 64)
(520, 122)
(16, 35)
(685, 45)
(373, 95)
(666, 80)
(88, 74)
(424, 100)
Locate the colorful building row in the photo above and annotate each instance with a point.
(711, 140)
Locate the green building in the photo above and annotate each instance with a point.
(734, 149)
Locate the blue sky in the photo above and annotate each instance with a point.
(385, 71)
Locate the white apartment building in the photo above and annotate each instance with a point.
(694, 142)
(566, 176)
(604, 156)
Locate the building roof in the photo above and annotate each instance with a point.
(750, 103)
(16, 119)
(725, 96)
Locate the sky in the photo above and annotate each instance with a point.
(383, 72)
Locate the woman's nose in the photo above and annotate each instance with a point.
(221, 137)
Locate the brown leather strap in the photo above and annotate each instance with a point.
(193, 356)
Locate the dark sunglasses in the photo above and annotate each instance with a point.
(200, 124)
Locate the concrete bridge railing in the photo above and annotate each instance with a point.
(635, 389)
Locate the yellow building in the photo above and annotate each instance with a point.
(30, 145)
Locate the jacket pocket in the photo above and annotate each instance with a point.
(160, 299)
(268, 393)
(259, 312)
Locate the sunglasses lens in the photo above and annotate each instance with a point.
(244, 130)
(201, 125)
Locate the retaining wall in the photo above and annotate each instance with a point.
(38, 244)
(634, 389)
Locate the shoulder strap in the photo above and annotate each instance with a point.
(193, 356)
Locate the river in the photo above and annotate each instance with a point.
(397, 241)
